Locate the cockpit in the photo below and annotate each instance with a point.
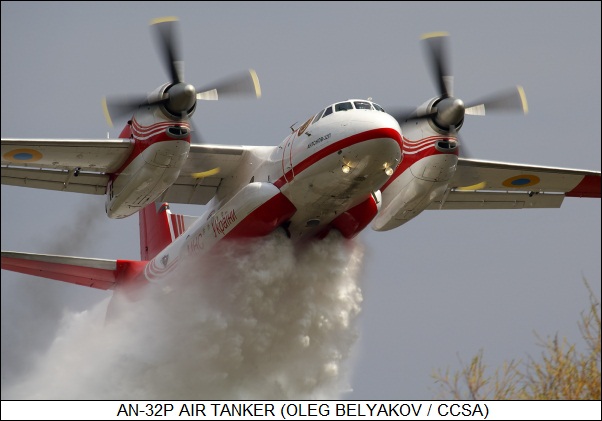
(347, 105)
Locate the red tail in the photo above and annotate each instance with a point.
(158, 229)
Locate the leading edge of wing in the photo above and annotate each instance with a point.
(94, 273)
(474, 174)
(94, 155)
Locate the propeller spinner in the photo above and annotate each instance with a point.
(178, 98)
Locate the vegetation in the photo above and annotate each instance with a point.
(562, 372)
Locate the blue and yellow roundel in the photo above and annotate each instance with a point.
(23, 155)
(523, 180)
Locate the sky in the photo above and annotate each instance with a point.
(436, 290)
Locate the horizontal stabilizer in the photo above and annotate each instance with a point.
(95, 273)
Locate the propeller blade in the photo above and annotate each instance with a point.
(117, 107)
(437, 50)
(513, 99)
(167, 37)
(204, 174)
(478, 186)
(403, 114)
(242, 84)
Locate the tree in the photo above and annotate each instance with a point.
(562, 372)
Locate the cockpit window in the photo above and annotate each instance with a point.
(378, 107)
(328, 111)
(317, 117)
(362, 105)
(343, 106)
(302, 129)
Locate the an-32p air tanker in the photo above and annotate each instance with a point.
(351, 165)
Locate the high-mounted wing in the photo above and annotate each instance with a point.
(68, 165)
(498, 185)
(206, 169)
(84, 166)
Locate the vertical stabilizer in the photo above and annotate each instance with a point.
(156, 229)
(159, 228)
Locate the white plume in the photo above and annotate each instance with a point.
(257, 319)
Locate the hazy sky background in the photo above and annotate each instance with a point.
(437, 289)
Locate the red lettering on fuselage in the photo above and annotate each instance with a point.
(221, 223)
(196, 244)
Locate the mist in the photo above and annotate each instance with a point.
(38, 304)
(253, 319)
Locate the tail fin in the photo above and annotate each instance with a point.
(159, 228)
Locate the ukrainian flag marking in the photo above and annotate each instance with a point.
(22, 155)
(523, 180)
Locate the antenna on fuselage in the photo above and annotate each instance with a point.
(293, 125)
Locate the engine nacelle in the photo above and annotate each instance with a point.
(414, 190)
(145, 178)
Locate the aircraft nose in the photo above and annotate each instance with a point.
(386, 143)
(373, 158)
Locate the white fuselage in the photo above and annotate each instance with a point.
(317, 174)
(325, 167)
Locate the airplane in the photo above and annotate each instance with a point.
(352, 165)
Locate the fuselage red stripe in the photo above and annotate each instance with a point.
(142, 139)
(411, 157)
(333, 148)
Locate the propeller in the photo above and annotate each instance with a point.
(166, 34)
(439, 62)
(178, 98)
(447, 111)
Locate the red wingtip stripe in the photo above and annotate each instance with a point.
(590, 186)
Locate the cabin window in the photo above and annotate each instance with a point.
(362, 105)
(328, 111)
(343, 106)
